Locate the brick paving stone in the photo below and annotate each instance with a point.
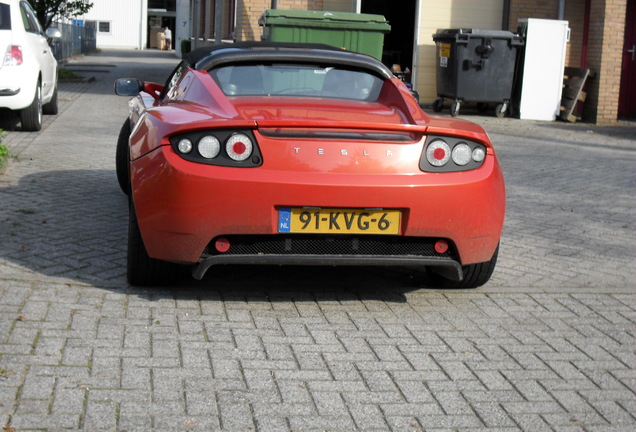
(547, 344)
(368, 417)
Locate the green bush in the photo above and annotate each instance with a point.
(4, 152)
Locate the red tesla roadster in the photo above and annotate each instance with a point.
(263, 153)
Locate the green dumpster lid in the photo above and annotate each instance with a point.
(323, 19)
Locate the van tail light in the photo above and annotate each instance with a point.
(13, 56)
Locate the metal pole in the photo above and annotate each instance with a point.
(218, 22)
(195, 23)
(144, 23)
(208, 31)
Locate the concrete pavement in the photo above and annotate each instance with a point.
(548, 344)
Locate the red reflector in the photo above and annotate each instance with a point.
(222, 244)
(439, 153)
(239, 148)
(441, 246)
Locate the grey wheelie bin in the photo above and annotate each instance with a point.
(476, 66)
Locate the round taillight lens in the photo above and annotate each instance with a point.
(209, 147)
(239, 147)
(479, 154)
(185, 146)
(438, 153)
(462, 154)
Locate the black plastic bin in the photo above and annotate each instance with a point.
(475, 66)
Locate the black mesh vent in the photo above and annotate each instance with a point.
(320, 245)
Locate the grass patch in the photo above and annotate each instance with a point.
(4, 152)
(26, 211)
(63, 73)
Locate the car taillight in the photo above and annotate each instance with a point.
(185, 146)
(239, 147)
(13, 56)
(448, 154)
(462, 154)
(438, 153)
(233, 148)
(209, 147)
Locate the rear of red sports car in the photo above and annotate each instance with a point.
(265, 154)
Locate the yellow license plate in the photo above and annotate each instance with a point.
(338, 221)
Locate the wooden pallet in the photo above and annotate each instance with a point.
(573, 96)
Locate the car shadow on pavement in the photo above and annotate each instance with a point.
(69, 223)
(9, 120)
(336, 283)
(73, 225)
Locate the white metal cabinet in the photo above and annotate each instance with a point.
(543, 65)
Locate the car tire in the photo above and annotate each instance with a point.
(122, 158)
(142, 270)
(475, 275)
(51, 107)
(31, 116)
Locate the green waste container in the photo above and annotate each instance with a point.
(362, 33)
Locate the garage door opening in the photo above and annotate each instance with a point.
(398, 44)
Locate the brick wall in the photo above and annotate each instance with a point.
(574, 14)
(300, 4)
(531, 9)
(604, 46)
(249, 11)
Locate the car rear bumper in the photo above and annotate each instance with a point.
(16, 90)
(454, 270)
(182, 207)
(310, 249)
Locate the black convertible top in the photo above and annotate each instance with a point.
(194, 56)
(207, 58)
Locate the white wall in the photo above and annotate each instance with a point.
(128, 22)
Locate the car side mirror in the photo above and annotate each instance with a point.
(128, 86)
(53, 33)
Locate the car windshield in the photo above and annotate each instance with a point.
(297, 80)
